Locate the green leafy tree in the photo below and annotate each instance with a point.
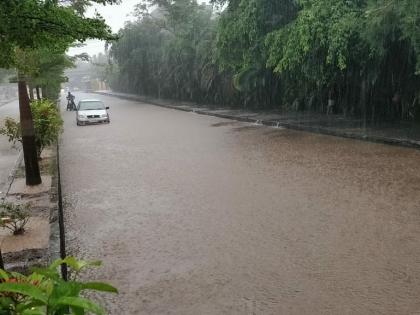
(358, 58)
(41, 24)
(241, 46)
(171, 47)
(314, 50)
(345, 50)
(47, 72)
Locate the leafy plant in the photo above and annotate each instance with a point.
(11, 130)
(44, 292)
(14, 217)
(47, 123)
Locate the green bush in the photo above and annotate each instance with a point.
(14, 217)
(11, 129)
(44, 292)
(47, 123)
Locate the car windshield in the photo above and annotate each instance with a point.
(91, 105)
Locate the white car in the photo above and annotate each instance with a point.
(91, 111)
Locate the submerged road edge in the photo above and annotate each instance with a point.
(271, 123)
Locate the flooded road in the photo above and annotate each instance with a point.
(194, 214)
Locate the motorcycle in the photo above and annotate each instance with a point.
(71, 106)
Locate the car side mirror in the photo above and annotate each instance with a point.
(107, 107)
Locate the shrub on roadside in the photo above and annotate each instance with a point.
(44, 292)
(47, 123)
(14, 217)
(11, 130)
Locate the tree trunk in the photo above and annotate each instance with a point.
(38, 95)
(33, 176)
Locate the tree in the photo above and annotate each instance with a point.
(241, 49)
(315, 49)
(351, 51)
(41, 24)
(48, 71)
(171, 47)
(357, 58)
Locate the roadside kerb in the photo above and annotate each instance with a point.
(12, 173)
(273, 123)
(38, 245)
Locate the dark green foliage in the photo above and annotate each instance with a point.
(168, 53)
(363, 55)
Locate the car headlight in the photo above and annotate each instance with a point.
(104, 115)
(82, 116)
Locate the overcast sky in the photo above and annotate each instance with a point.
(115, 16)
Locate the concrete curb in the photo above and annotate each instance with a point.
(24, 259)
(54, 243)
(274, 123)
(12, 174)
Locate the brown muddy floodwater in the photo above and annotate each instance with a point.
(199, 215)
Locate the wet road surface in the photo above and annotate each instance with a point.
(194, 214)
